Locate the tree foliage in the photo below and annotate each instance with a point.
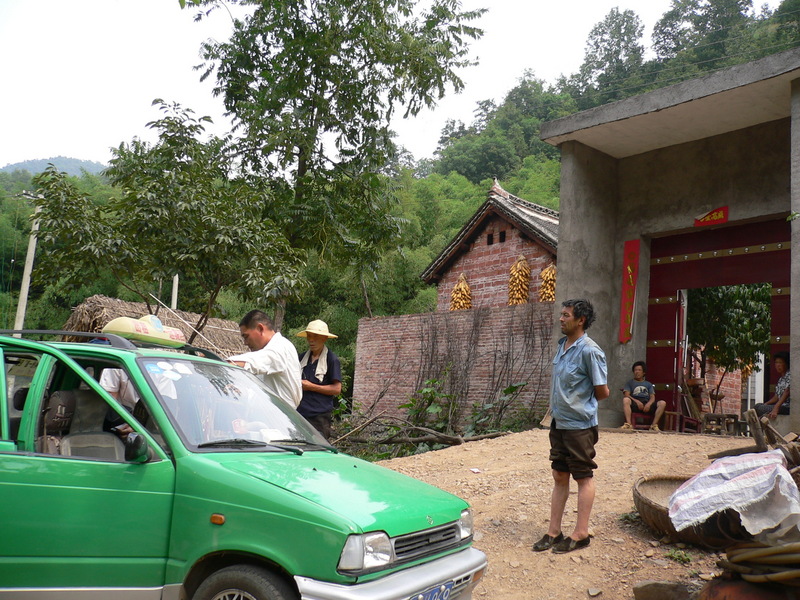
(614, 53)
(497, 143)
(729, 325)
(312, 86)
(181, 211)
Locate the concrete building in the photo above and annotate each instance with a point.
(687, 186)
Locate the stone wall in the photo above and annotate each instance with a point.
(486, 265)
(475, 354)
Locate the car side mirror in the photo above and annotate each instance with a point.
(136, 448)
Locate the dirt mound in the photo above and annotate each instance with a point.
(508, 483)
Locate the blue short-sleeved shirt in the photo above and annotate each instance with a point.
(576, 372)
(641, 390)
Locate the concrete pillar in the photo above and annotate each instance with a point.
(586, 253)
(794, 323)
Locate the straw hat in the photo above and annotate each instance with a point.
(318, 327)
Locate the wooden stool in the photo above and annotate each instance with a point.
(689, 425)
(672, 421)
(641, 420)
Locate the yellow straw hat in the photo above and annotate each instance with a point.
(318, 327)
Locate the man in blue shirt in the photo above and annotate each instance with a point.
(579, 380)
(640, 395)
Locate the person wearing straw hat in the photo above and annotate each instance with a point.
(271, 356)
(321, 377)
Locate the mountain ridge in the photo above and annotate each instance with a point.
(70, 166)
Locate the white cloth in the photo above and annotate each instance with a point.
(757, 486)
(278, 366)
(116, 382)
(322, 362)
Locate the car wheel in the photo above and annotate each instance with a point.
(243, 582)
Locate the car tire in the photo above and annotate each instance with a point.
(244, 582)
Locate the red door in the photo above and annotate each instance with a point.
(753, 253)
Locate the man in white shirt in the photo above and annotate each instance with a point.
(272, 357)
(116, 382)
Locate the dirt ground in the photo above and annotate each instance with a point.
(508, 483)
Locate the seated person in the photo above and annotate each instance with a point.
(639, 395)
(779, 403)
(117, 383)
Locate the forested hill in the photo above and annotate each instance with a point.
(70, 166)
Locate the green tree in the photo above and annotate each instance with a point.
(181, 211)
(729, 325)
(479, 157)
(612, 62)
(705, 30)
(311, 88)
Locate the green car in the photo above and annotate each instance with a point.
(199, 484)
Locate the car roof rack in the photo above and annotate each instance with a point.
(114, 340)
(193, 350)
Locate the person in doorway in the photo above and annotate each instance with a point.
(579, 380)
(778, 404)
(321, 379)
(271, 356)
(640, 395)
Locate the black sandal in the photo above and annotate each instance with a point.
(568, 545)
(547, 542)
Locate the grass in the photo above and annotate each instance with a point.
(680, 556)
(631, 518)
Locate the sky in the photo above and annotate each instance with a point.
(79, 77)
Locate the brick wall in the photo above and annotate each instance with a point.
(731, 387)
(475, 353)
(487, 266)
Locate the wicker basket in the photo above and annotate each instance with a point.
(651, 498)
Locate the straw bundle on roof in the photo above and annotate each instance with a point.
(219, 335)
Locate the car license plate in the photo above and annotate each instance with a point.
(437, 592)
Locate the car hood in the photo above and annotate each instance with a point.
(368, 495)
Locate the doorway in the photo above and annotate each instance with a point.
(738, 254)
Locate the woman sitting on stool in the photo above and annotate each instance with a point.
(779, 403)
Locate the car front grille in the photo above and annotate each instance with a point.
(427, 542)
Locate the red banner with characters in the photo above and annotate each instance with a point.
(713, 217)
(630, 275)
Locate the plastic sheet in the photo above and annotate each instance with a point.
(758, 486)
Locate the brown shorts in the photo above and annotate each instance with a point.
(572, 451)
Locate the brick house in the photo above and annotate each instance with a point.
(501, 230)
(474, 354)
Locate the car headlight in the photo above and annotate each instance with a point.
(465, 523)
(366, 552)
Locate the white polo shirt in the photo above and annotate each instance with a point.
(278, 366)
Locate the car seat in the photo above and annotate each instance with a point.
(56, 420)
(18, 402)
(86, 437)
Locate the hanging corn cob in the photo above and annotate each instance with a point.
(461, 297)
(547, 292)
(519, 282)
(747, 370)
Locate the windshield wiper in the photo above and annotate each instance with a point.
(231, 442)
(243, 443)
(307, 443)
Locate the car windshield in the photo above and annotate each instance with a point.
(219, 407)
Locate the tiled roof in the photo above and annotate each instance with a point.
(535, 221)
